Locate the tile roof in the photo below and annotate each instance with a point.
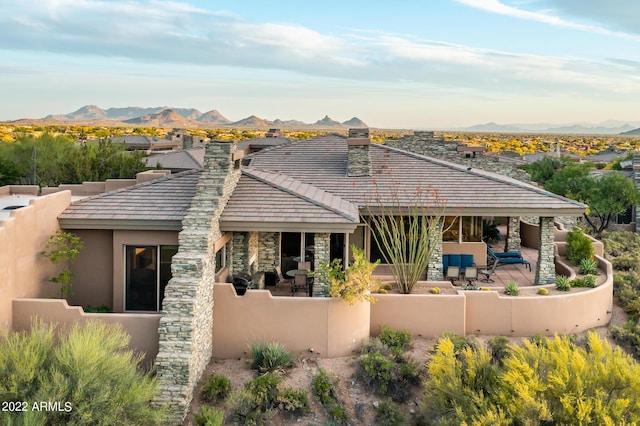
(272, 198)
(399, 175)
(156, 204)
(186, 159)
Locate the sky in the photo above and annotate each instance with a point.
(394, 64)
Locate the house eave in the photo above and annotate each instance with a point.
(243, 226)
(133, 225)
(485, 211)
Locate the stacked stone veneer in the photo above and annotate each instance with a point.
(546, 269)
(185, 331)
(426, 143)
(513, 234)
(636, 180)
(268, 251)
(322, 246)
(358, 155)
(434, 267)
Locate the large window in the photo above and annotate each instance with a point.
(462, 229)
(147, 273)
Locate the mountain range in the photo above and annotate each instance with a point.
(611, 127)
(184, 118)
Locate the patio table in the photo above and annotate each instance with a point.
(294, 272)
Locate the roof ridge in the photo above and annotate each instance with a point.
(496, 177)
(255, 174)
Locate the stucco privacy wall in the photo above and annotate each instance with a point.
(327, 326)
(142, 328)
(93, 269)
(23, 271)
(186, 326)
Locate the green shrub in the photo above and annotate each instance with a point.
(293, 401)
(512, 288)
(388, 414)
(563, 283)
(264, 389)
(245, 409)
(625, 262)
(89, 367)
(374, 344)
(579, 246)
(589, 281)
(215, 388)
(269, 357)
(459, 342)
(323, 386)
(588, 266)
(397, 341)
(387, 287)
(208, 416)
(102, 309)
(499, 347)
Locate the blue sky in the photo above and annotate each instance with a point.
(401, 64)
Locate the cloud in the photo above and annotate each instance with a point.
(617, 17)
(165, 34)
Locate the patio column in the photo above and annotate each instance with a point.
(513, 234)
(434, 269)
(546, 269)
(321, 252)
(268, 251)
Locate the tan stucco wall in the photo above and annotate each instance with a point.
(492, 313)
(421, 314)
(327, 325)
(477, 249)
(127, 237)
(23, 271)
(93, 269)
(143, 328)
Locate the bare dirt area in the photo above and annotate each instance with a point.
(357, 399)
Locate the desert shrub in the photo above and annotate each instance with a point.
(244, 409)
(579, 246)
(264, 389)
(102, 309)
(215, 388)
(512, 288)
(323, 386)
(459, 342)
(293, 401)
(387, 287)
(499, 347)
(558, 382)
(374, 344)
(588, 266)
(563, 283)
(625, 262)
(617, 243)
(388, 414)
(269, 357)
(208, 416)
(89, 367)
(589, 281)
(397, 341)
(543, 291)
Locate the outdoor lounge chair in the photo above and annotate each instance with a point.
(503, 254)
(494, 261)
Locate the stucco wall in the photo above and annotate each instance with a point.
(327, 325)
(23, 270)
(143, 328)
(93, 270)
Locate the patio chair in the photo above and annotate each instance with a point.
(281, 278)
(471, 274)
(300, 282)
(453, 274)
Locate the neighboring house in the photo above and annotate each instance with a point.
(177, 161)
(154, 251)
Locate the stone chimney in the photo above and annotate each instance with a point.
(359, 159)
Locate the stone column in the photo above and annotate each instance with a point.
(513, 234)
(239, 252)
(546, 269)
(322, 244)
(434, 269)
(268, 251)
